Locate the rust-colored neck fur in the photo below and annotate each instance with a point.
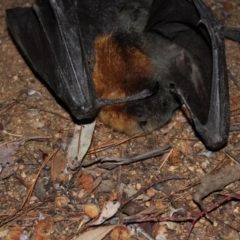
(120, 70)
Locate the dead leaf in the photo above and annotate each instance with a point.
(96, 233)
(57, 166)
(42, 185)
(91, 209)
(86, 181)
(8, 149)
(130, 190)
(44, 227)
(216, 182)
(8, 171)
(15, 233)
(109, 210)
(80, 144)
(61, 201)
(120, 233)
(3, 233)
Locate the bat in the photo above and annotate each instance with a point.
(134, 63)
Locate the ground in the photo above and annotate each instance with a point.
(48, 127)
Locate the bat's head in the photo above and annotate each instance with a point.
(153, 112)
(132, 18)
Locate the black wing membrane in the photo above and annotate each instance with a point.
(60, 25)
(50, 36)
(191, 25)
(57, 38)
(45, 46)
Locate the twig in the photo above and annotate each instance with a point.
(165, 159)
(19, 213)
(111, 162)
(33, 184)
(44, 110)
(193, 220)
(105, 146)
(154, 182)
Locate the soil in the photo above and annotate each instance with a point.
(39, 118)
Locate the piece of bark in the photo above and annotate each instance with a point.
(216, 182)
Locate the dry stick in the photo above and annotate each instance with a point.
(119, 174)
(232, 156)
(185, 138)
(165, 160)
(106, 142)
(26, 139)
(234, 128)
(217, 181)
(79, 141)
(21, 180)
(194, 220)
(11, 134)
(44, 110)
(237, 108)
(4, 109)
(111, 162)
(228, 225)
(154, 182)
(41, 168)
(102, 147)
(209, 209)
(16, 101)
(20, 212)
(53, 185)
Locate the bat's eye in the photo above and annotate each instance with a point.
(135, 14)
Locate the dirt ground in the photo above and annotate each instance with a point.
(61, 213)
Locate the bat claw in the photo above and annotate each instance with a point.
(141, 95)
